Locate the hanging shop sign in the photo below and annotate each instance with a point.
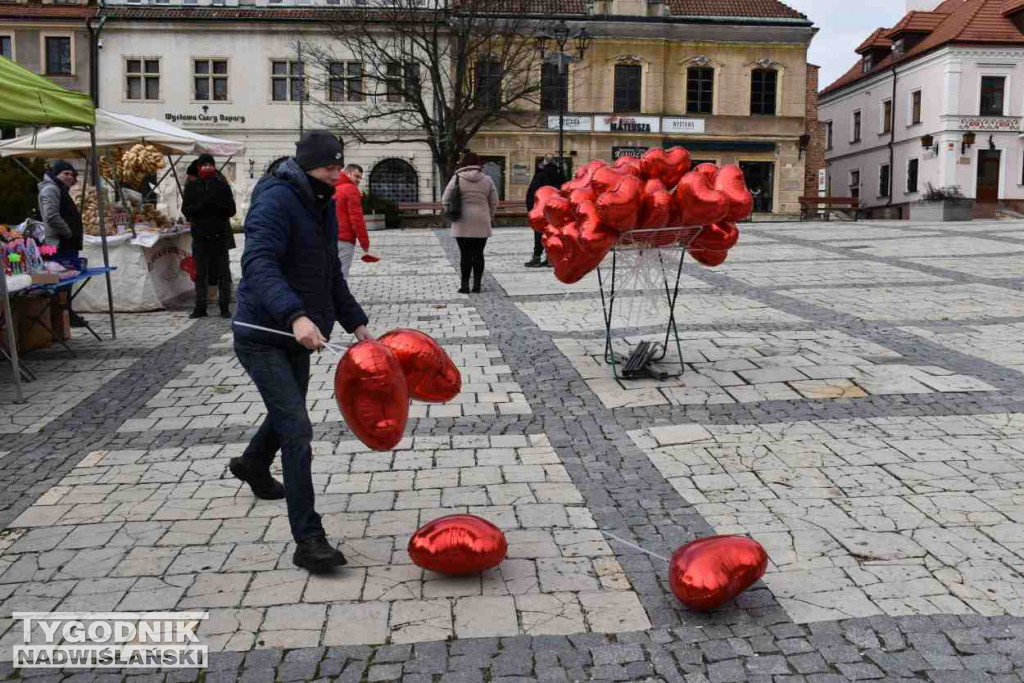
(635, 152)
(613, 123)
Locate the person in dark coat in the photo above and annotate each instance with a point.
(292, 281)
(64, 228)
(209, 204)
(548, 173)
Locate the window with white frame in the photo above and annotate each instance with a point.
(829, 140)
(403, 81)
(142, 78)
(885, 125)
(913, 166)
(7, 47)
(210, 80)
(855, 126)
(855, 184)
(915, 107)
(884, 177)
(287, 80)
(58, 56)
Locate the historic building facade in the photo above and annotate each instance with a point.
(936, 100)
(734, 89)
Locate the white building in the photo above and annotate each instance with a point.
(232, 71)
(936, 100)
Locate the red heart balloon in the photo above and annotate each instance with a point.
(731, 183)
(668, 167)
(371, 392)
(619, 208)
(606, 179)
(709, 572)
(458, 545)
(557, 210)
(537, 219)
(573, 253)
(578, 197)
(708, 257)
(628, 165)
(593, 236)
(718, 237)
(429, 372)
(584, 176)
(710, 171)
(657, 205)
(697, 202)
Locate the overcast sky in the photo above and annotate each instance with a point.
(842, 26)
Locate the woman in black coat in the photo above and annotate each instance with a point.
(209, 204)
(547, 174)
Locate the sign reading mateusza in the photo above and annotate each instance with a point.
(110, 640)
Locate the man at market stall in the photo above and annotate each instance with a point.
(62, 218)
(292, 280)
(209, 204)
(348, 202)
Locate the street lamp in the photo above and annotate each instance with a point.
(560, 36)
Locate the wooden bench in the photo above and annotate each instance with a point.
(438, 207)
(823, 205)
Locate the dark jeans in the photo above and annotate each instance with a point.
(213, 266)
(471, 250)
(282, 378)
(538, 245)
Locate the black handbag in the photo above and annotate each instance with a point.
(454, 211)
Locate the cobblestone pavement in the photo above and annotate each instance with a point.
(851, 399)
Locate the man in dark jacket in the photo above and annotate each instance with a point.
(209, 204)
(292, 280)
(547, 173)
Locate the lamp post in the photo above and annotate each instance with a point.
(561, 35)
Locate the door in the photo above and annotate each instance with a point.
(988, 176)
(760, 177)
(495, 168)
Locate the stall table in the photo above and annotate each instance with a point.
(52, 293)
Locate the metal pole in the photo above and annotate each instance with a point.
(103, 230)
(12, 343)
(302, 91)
(561, 111)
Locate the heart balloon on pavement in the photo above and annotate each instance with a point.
(709, 572)
(458, 545)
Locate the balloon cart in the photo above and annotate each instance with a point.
(655, 252)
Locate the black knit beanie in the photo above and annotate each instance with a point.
(318, 148)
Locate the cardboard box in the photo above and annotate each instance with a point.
(45, 278)
(32, 336)
(60, 321)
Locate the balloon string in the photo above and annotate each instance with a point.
(327, 345)
(634, 546)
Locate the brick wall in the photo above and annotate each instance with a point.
(815, 155)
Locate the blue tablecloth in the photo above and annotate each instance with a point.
(68, 282)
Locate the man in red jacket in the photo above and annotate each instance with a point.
(348, 201)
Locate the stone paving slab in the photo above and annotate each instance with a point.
(933, 303)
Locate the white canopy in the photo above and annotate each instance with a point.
(119, 130)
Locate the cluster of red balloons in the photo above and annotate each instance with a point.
(375, 380)
(586, 217)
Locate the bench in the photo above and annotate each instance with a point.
(438, 207)
(824, 205)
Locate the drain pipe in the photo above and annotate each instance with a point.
(892, 142)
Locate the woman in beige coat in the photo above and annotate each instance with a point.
(471, 230)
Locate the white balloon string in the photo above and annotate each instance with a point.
(634, 546)
(327, 345)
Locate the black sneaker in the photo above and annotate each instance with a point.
(317, 555)
(76, 320)
(464, 289)
(545, 264)
(197, 313)
(263, 486)
(533, 263)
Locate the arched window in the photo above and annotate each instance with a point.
(396, 180)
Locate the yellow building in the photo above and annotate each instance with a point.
(728, 80)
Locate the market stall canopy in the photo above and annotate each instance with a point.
(27, 99)
(118, 130)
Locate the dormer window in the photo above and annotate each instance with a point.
(897, 48)
(867, 64)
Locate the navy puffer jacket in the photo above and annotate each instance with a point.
(290, 264)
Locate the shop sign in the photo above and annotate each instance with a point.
(684, 126)
(614, 123)
(635, 152)
(579, 124)
(203, 118)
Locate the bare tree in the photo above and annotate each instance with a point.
(408, 71)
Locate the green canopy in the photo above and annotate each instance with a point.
(27, 99)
